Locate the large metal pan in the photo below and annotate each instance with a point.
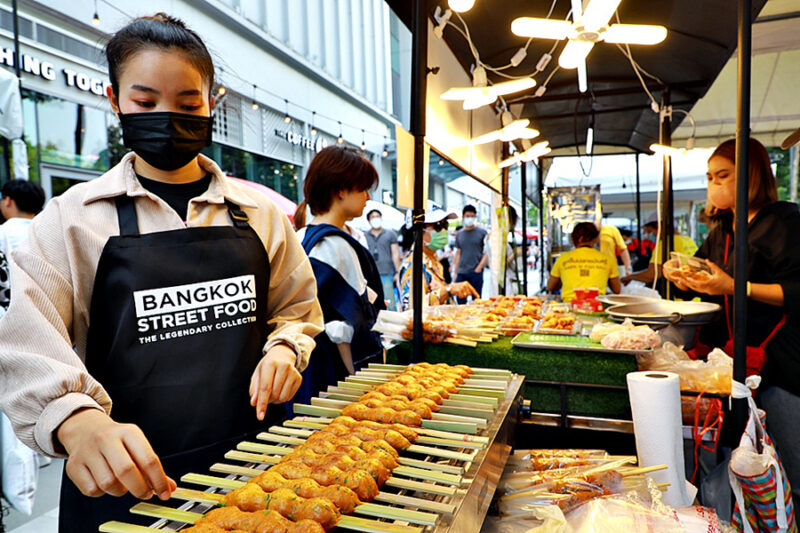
(680, 321)
(622, 299)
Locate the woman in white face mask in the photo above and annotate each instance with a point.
(773, 290)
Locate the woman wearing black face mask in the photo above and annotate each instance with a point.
(161, 286)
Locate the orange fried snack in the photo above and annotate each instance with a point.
(342, 497)
(252, 498)
(359, 481)
(233, 519)
(382, 414)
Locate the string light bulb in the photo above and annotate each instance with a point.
(340, 140)
(385, 152)
(221, 91)
(255, 104)
(286, 118)
(313, 128)
(460, 6)
(363, 142)
(96, 17)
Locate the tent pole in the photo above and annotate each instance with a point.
(638, 207)
(524, 217)
(667, 206)
(540, 197)
(740, 231)
(17, 55)
(506, 153)
(419, 74)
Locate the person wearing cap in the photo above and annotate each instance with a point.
(382, 243)
(435, 289)
(681, 243)
(773, 290)
(612, 244)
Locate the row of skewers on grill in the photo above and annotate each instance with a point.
(339, 469)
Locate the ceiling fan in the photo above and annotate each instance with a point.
(481, 93)
(511, 131)
(588, 26)
(534, 152)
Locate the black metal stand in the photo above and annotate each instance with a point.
(740, 223)
(638, 208)
(524, 217)
(667, 204)
(419, 83)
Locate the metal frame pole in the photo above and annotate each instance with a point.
(540, 196)
(17, 54)
(524, 217)
(419, 83)
(667, 206)
(506, 153)
(638, 208)
(740, 223)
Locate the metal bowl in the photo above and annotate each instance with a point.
(679, 322)
(666, 312)
(622, 299)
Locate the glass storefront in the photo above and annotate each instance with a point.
(277, 175)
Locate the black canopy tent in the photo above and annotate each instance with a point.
(701, 38)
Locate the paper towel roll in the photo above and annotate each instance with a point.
(657, 424)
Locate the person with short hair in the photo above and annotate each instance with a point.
(21, 201)
(471, 257)
(583, 267)
(384, 248)
(349, 287)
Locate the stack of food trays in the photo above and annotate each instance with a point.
(558, 320)
(401, 436)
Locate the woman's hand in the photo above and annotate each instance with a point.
(106, 457)
(670, 270)
(275, 379)
(463, 289)
(719, 283)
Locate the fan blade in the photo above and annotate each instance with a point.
(583, 84)
(510, 161)
(634, 34)
(474, 102)
(486, 138)
(526, 133)
(465, 93)
(598, 13)
(541, 28)
(513, 86)
(574, 54)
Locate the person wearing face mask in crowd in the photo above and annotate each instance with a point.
(162, 286)
(383, 245)
(681, 243)
(773, 291)
(471, 257)
(349, 286)
(613, 245)
(435, 289)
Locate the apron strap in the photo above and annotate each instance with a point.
(238, 216)
(126, 214)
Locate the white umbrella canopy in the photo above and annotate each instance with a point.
(392, 218)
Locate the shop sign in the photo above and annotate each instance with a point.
(314, 145)
(47, 71)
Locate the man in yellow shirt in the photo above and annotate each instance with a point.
(681, 243)
(612, 243)
(584, 266)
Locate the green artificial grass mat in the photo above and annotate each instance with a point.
(544, 365)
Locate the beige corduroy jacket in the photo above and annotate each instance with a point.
(43, 379)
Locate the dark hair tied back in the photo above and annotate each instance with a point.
(159, 31)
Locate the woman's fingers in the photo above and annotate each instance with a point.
(126, 470)
(147, 463)
(104, 476)
(80, 475)
(290, 386)
(265, 387)
(281, 374)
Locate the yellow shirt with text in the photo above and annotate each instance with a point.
(583, 267)
(682, 243)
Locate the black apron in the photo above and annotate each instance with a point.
(178, 321)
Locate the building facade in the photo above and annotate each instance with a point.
(298, 75)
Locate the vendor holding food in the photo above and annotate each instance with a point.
(585, 266)
(773, 290)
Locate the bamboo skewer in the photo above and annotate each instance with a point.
(121, 527)
(450, 407)
(420, 431)
(362, 388)
(294, 441)
(367, 509)
(346, 522)
(475, 370)
(222, 468)
(458, 411)
(406, 471)
(414, 448)
(444, 422)
(644, 470)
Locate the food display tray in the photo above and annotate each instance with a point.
(542, 341)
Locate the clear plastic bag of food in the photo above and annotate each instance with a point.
(631, 338)
(712, 375)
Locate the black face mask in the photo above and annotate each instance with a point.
(166, 140)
